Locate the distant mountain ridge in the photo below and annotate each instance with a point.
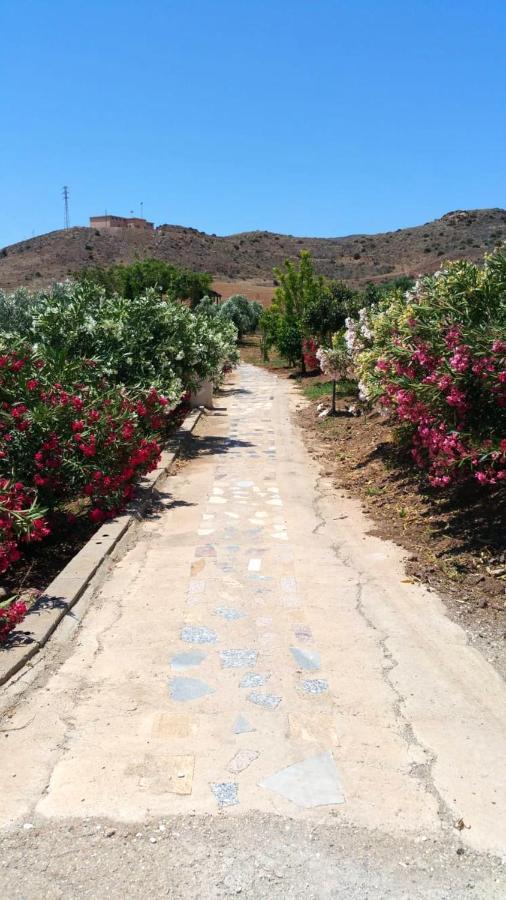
(252, 255)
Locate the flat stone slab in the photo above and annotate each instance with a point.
(241, 761)
(185, 660)
(183, 689)
(313, 782)
(198, 634)
(241, 725)
(226, 793)
(172, 774)
(305, 658)
(238, 659)
(269, 701)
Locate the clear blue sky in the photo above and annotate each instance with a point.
(313, 117)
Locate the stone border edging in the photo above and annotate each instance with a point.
(69, 585)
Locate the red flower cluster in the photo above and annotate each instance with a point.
(66, 440)
(452, 394)
(309, 348)
(10, 616)
(20, 521)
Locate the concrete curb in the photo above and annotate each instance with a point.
(69, 585)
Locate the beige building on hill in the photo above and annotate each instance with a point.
(117, 222)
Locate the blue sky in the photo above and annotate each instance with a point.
(310, 117)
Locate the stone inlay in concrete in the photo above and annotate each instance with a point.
(242, 726)
(198, 634)
(253, 680)
(228, 613)
(269, 701)
(238, 659)
(302, 632)
(206, 550)
(305, 658)
(226, 793)
(184, 660)
(167, 774)
(315, 685)
(241, 761)
(183, 689)
(313, 782)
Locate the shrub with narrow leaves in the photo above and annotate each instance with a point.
(435, 357)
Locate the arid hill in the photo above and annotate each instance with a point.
(249, 258)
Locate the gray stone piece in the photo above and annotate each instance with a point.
(238, 659)
(184, 660)
(226, 793)
(198, 634)
(306, 659)
(230, 614)
(313, 782)
(183, 689)
(241, 725)
(268, 701)
(253, 680)
(315, 685)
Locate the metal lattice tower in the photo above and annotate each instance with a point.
(65, 193)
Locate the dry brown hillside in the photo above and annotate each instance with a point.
(250, 257)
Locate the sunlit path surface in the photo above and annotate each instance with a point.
(256, 659)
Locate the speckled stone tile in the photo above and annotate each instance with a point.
(268, 701)
(229, 613)
(315, 685)
(226, 793)
(253, 680)
(198, 634)
(238, 659)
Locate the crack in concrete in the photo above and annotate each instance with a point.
(423, 772)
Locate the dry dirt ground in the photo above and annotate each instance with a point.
(260, 291)
(256, 702)
(251, 256)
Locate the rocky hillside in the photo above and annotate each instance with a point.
(251, 256)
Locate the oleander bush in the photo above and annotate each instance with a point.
(435, 358)
(90, 384)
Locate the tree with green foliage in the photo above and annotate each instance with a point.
(329, 310)
(298, 289)
(373, 293)
(244, 313)
(132, 280)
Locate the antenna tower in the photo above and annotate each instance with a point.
(65, 193)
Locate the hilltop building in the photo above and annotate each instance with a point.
(119, 222)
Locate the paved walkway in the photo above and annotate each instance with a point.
(256, 652)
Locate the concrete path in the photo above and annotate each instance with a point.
(257, 661)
